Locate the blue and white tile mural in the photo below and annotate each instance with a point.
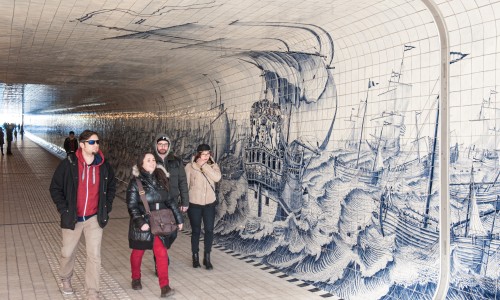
(332, 177)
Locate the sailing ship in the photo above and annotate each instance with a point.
(486, 192)
(357, 163)
(472, 243)
(487, 148)
(412, 227)
(231, 163)
(273, 166)
(371, 151)
(484, 153)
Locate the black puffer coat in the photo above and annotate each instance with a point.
(155, 193)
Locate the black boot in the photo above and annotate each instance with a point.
(206, 261)
(136, 284)
(196, 260)
(166, 291)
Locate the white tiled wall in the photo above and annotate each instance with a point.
(352, 219)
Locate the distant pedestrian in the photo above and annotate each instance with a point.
(70, 143)
(8, 133)
(1, 139)
(15, 134)
(21, 131)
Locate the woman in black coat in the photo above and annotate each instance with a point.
(154, 179)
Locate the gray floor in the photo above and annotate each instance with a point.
(30, 240)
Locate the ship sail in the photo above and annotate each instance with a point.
(486, 124)
(379, 161)
(393, 118)
(476, 226)
(220, 133)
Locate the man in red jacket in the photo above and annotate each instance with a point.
(83, 188)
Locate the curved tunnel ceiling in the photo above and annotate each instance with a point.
(129, 55)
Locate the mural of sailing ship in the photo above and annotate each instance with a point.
(412, 227)
(486, 149)
(271, 165)
(474, 190)
(472, 243)
(275, 155)
(475, 244)
(371, 157)
(381, 160)
(375, 173)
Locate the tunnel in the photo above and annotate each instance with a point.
(357, 140)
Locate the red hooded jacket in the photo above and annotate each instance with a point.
(87, 198)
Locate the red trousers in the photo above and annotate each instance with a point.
(161, 255)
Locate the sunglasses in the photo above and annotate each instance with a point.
(92, 142)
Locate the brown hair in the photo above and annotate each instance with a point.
(86, 134)
(158, 173)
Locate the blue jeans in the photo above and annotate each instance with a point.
(196, 214)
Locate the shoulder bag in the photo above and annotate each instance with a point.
(162, 221)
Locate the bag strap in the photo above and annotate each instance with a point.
(213, 189)
(142, 194)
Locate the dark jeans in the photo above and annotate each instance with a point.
(196, 214)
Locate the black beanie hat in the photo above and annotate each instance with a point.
(163, 138)
(203, 147)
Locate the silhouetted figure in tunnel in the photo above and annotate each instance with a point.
(1, 139)
(70, 143)
(8, 133)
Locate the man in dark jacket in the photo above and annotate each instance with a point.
(70, 143)
(8, 135)
(83, 188)
(1, 140)
(178, 182)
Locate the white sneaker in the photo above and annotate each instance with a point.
(66, 289)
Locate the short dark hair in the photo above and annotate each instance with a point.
(86, 134)
(71, 132)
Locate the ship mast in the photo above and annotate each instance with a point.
(471, 190)
(417, 141)
(431, 169)
(362, 126)
(378, 158)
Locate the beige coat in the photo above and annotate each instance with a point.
(200, 192)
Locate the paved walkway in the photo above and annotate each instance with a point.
(30, 240)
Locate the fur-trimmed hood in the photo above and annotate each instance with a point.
(136, 172)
